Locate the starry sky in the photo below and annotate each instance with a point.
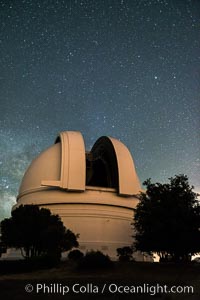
(124, 68)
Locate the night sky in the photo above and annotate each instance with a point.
(128, 69)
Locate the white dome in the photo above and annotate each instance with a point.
(64, 165)
(93, 192)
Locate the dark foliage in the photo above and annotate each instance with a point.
(167, 220)
(125, 253)
(37, 233)
(95, 260)
(75, 255)
(3, 248)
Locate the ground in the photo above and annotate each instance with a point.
(122, 275)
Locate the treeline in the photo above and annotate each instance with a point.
(166, 222)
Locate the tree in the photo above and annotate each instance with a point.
(125, 253)
(167, 220)
(36, 232)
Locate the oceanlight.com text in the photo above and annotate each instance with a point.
(109, 288)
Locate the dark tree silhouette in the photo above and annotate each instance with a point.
(75, 255)
(36, 232)
(94, 260)
(3, 248)
(125, 253)
(167, 220)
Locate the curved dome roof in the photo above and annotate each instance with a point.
(66, 165)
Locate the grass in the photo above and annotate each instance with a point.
(122, 274)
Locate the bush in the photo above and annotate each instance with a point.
(3, 248)
(125, 253)
(95, 260)
(75, 255)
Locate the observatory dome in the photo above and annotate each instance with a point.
(94, 192)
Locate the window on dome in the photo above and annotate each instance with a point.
(101, 171)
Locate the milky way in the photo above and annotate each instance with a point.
(127, 69)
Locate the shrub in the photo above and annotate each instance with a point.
(75, 255)
(95, 260)
(125, 253)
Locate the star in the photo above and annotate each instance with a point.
(126, 69)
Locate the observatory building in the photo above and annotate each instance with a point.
(93, 192)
